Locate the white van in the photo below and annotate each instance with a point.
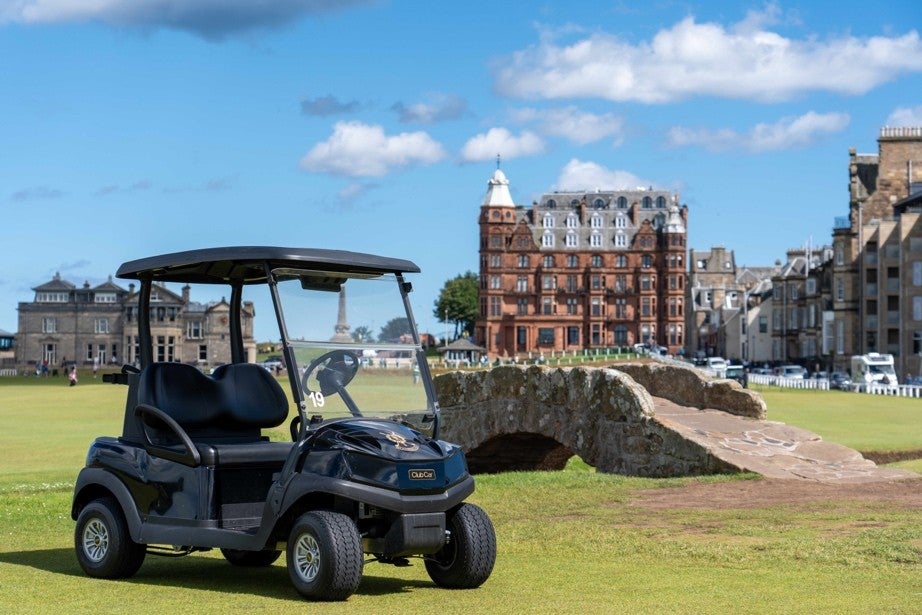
(793, 371)
(716, 366)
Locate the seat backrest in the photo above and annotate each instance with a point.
(233, 404)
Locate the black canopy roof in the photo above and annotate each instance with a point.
(246, 264)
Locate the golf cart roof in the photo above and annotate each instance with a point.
(247, 264)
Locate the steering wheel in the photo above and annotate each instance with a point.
(335, 369)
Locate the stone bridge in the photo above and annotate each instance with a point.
(640, 419)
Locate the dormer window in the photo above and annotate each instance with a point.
(547, 221)
(595, 221)
(572, 221)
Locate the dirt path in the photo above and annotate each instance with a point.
(776, 492)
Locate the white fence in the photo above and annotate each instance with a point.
(903, 390)
(790, 383)
(9, 372)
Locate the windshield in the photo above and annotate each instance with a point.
(355, 352)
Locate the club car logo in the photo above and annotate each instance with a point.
(400, 443)
(422, 474)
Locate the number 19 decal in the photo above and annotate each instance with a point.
(316, 398)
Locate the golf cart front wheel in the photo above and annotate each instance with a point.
(103, 545)
(324, 555)
(467, 560)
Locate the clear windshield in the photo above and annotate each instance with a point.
(355, 352)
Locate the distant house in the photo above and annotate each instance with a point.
(98, 325)
(461, 351)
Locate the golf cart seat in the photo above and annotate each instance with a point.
(215, 420)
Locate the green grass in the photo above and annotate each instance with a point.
(873, 423)
(569, 542)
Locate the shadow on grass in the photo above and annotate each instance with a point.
(209, 574)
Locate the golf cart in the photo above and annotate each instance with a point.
(358, 476)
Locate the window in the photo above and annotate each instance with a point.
(811, 287)
(547, 240)
(548, 261)
(598, 204)
(660, 202)
(917, 273)
(203, 352)
(571, 284)
(620, 283)
(521, 306)
(622, 202)
(549, 282)
(763, 324)
(596, 335)
(647, 202)
(523, 261)
(496, 282)
(620, 240)
(545, 336)
(794, 292)
(596, 260)
(595, 221)
(551, 204)
(572, 240)
(572, 260)
(49, 325)
(572, 221)
(597, 306)
(104, 297)
(547, 221)
(521, 284)
(521, 336)
(598, 282)
(101, 325)
(496, 306)
(647, 333)
(621, 261)
(194, 329)
(50, 297)
(917, 308)
(645, 306)
(840, 289)
(620, 221)
(621, 308)
(675, 335)
(496, 260)
(573, 336)
(595, 240)
(572, 308)
(839, 255)
(496, 242)
(644, 282)
(621, 335)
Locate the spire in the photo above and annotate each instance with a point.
(498, 190)
(342, 328)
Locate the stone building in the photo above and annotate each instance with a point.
(728, 313)
(87, 325)
(869, 285)
(580, 270)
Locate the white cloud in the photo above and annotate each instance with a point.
(905, 116)
(499, 141)
(786, 133)
(581, 175)
(356, 150)
(745, 61)
(441, 108)
(210, 19)
(578, 126)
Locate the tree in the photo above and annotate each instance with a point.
(363, 334)
(458, 303)
(394, 328)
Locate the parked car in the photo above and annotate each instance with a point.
(736, 372)
(840, 380)
(793, 371)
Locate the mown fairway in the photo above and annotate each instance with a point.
(569, 542)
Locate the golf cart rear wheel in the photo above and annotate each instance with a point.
(324, 555)
(250, 559)
(467, 560)
(104, 546)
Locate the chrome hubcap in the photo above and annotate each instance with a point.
(95, 540)
(307, 557)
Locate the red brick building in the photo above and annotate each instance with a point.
(580, 270)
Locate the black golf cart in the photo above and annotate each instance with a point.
(364, 477)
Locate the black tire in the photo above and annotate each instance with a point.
(104, 546)
(250, 559)
(324, 555)
(467, 560)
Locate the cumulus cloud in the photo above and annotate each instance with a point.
(499, 141)
(905, 116)
(571, 123)
(745, 61)
(209, 19)
(356, 150)
(786, 133)
(582, 175)
(328, 105)
(441, 108)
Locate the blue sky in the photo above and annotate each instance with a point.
(135, 127)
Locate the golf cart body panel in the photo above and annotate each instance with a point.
(194, 468)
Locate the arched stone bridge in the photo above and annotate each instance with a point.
(640, 419)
